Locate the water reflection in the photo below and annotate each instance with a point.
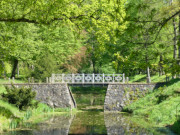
(56, 125)
(89, 123)
(116, 124)
(121, 124)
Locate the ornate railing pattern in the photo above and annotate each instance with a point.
(88, 78)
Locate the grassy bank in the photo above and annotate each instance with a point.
(161, 106)
(12, 118)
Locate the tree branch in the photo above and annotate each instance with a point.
(18, 20)
(162, 23)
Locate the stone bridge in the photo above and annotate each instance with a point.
(118, 95)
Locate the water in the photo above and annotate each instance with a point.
(92, 120)
(90, 123)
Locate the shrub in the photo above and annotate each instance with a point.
(20, 97)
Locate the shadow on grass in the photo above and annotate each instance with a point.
(141, 79)
(167, 84)
(173, 81)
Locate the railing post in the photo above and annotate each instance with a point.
(32, 79)
(47, 80)
(29, 80)
(13, 80)
(83, 78)
(72, 78)
(50, 79)
(53, 78)
(127, 79)
(113, 77)
(123, 78)
(62, 78)
(93, 78)
(103, 77)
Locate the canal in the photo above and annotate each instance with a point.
(90, 119)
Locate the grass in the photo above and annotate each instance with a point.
(7, 113)
(142, 78)
(4, 81)
(159, 107)
(11, 118)
(10, 114)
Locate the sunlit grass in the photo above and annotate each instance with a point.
(4, 81)
(160, 106)
(142, 78)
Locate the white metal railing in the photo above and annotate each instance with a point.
(88, 78)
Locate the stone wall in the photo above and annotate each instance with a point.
(120, 95)
(54, 95)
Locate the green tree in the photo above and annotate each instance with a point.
(18, 43)
(103, 17)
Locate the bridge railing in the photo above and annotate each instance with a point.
(88, 78)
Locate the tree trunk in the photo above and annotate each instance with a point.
(18, 70)
(179, 42)
(147, 64)
(94, 64)
(160, 65)
(4, 69)
(15, 64)
(148, 75)
(175, 40)
(93, 59)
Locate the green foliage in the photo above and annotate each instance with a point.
(102, 17)
(62, 109)
(176, 126)
(20, 97)
(28, 114)
(45, 66)
(42, 108)
(120, 36)
(14, 123)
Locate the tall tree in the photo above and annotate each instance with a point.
(19, 42)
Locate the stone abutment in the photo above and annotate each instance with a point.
(54, 95)
(120, 95)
